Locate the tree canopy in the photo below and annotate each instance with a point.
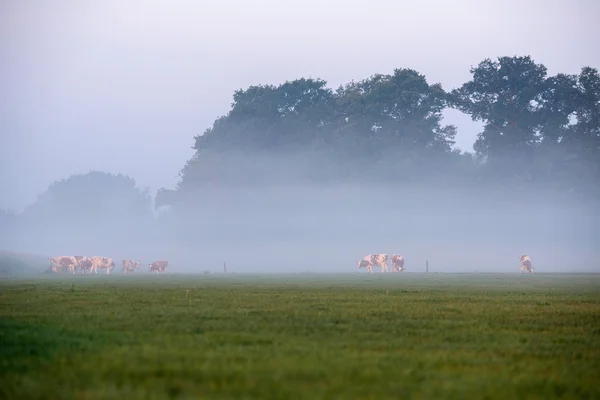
(538, 130)
(93, 196)
(536, 127)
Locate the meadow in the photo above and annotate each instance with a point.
(300, 336)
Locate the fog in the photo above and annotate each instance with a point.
(124, 87)
(298, 224)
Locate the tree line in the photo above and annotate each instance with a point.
(539, 131)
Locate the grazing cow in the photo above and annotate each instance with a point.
(397, 263)
(130, 266)
(102, 263)
(526, 264)
(63, 264)
(372, 260)
(159, 266)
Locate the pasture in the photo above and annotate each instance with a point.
(300, 336)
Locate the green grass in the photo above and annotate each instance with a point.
(353, 336)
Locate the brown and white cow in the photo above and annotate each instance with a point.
(373, 260)
(102, 263)
(63, 264)
(159, 266)
(130, 266)
(397, 263)
(526, 264)
(84, 264)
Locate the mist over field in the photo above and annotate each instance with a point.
(310, 226)
(303, 198)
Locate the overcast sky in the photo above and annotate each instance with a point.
(123, 86)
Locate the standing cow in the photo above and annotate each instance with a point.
(526, 264)
(397, 263)
(373, 260)
(63, 264)
(102, 263)
(130, 266)
(159, 266)
(84, 265)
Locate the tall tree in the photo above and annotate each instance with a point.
(271, 117)
(399, 111)
(100, 200)
(264, 121)
(529, 135)
(581, 141)
(507, 96)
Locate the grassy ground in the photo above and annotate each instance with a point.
(352, 336)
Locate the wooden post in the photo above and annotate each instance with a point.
(225, 267)
(426, 266)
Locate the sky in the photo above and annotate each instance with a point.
(123, 87)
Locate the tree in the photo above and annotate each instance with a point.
(357, 132)
(95, 195)
(271, 117)
(88, 210)
(580, 141)
(83, 213)
(401, 111)
(390, 126)
(265, 122)
(507, 95)
(529, 136)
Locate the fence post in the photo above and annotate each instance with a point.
(225, 267)
(426, 266)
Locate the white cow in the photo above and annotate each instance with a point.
(102, 263)
(159, 266)
(63, 264)
(130, 266)
(84, 264)
(526, 264)
(373, 260)
(397, 263)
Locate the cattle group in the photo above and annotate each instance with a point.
(89, 265)
(397, 261)
(381, 260)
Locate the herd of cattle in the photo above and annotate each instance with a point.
(397, 261)
(373, 260)
(89, 265)
(82, 264)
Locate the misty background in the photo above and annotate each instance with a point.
(260, 134)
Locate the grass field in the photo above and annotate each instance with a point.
(353, 336)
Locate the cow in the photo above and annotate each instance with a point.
(63, 264)
(372, 260)
(397, 263)
(83, 264)
(159, 266)
(102, 263)
(130, 266)
(526, 264)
